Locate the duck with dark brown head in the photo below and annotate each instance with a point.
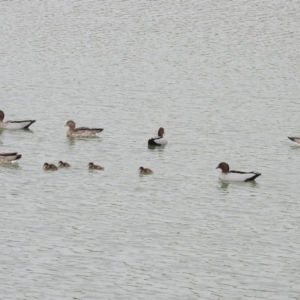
(14, 124)
(159, 140)
(227, 175)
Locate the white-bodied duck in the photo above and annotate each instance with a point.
(159, 140)
(9, 157)
(81, 131)
(227, 175)
(296, 140)
(14, 124)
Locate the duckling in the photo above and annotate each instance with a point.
(49, 167)
(62, 164)
(145, 171)
(94, 167)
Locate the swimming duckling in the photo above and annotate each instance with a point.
(62, 164)
(49, 167)
(145, 171)
(94, 167)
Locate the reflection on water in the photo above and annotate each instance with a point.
(28, 130)
(224, 185)
(158, 148)
(71, 141)
(11, 166)
(295, 147)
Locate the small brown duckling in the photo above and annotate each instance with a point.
(145, 171)
(94, 167)
(62, 164)
(49, 167)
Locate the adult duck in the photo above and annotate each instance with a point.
(14, 124)
(227, 175)
(159, 140)
(296, 140)
(9, 157)
(81, 131)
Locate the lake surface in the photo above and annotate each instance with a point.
(222, 78)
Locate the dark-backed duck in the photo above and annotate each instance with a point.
(159, 140)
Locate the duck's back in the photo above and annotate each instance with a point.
(84, 132)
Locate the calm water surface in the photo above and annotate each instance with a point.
(222, 78)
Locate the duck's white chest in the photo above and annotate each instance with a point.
(222, 176)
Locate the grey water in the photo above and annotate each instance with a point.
(222, 78)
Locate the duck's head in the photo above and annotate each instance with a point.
(71, 124)
(90, 164)
(45, 165)
(141, 168)
(1, 115)
(161, 132)
(224, 167)
(60, 163)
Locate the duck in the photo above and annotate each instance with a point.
(145, 171)
(94, 167)
(63, 164)
(81, 131)
(227, 175)
(9, 157)
(14, 124)
(159, 140)
(296, 140)
(51, 167)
